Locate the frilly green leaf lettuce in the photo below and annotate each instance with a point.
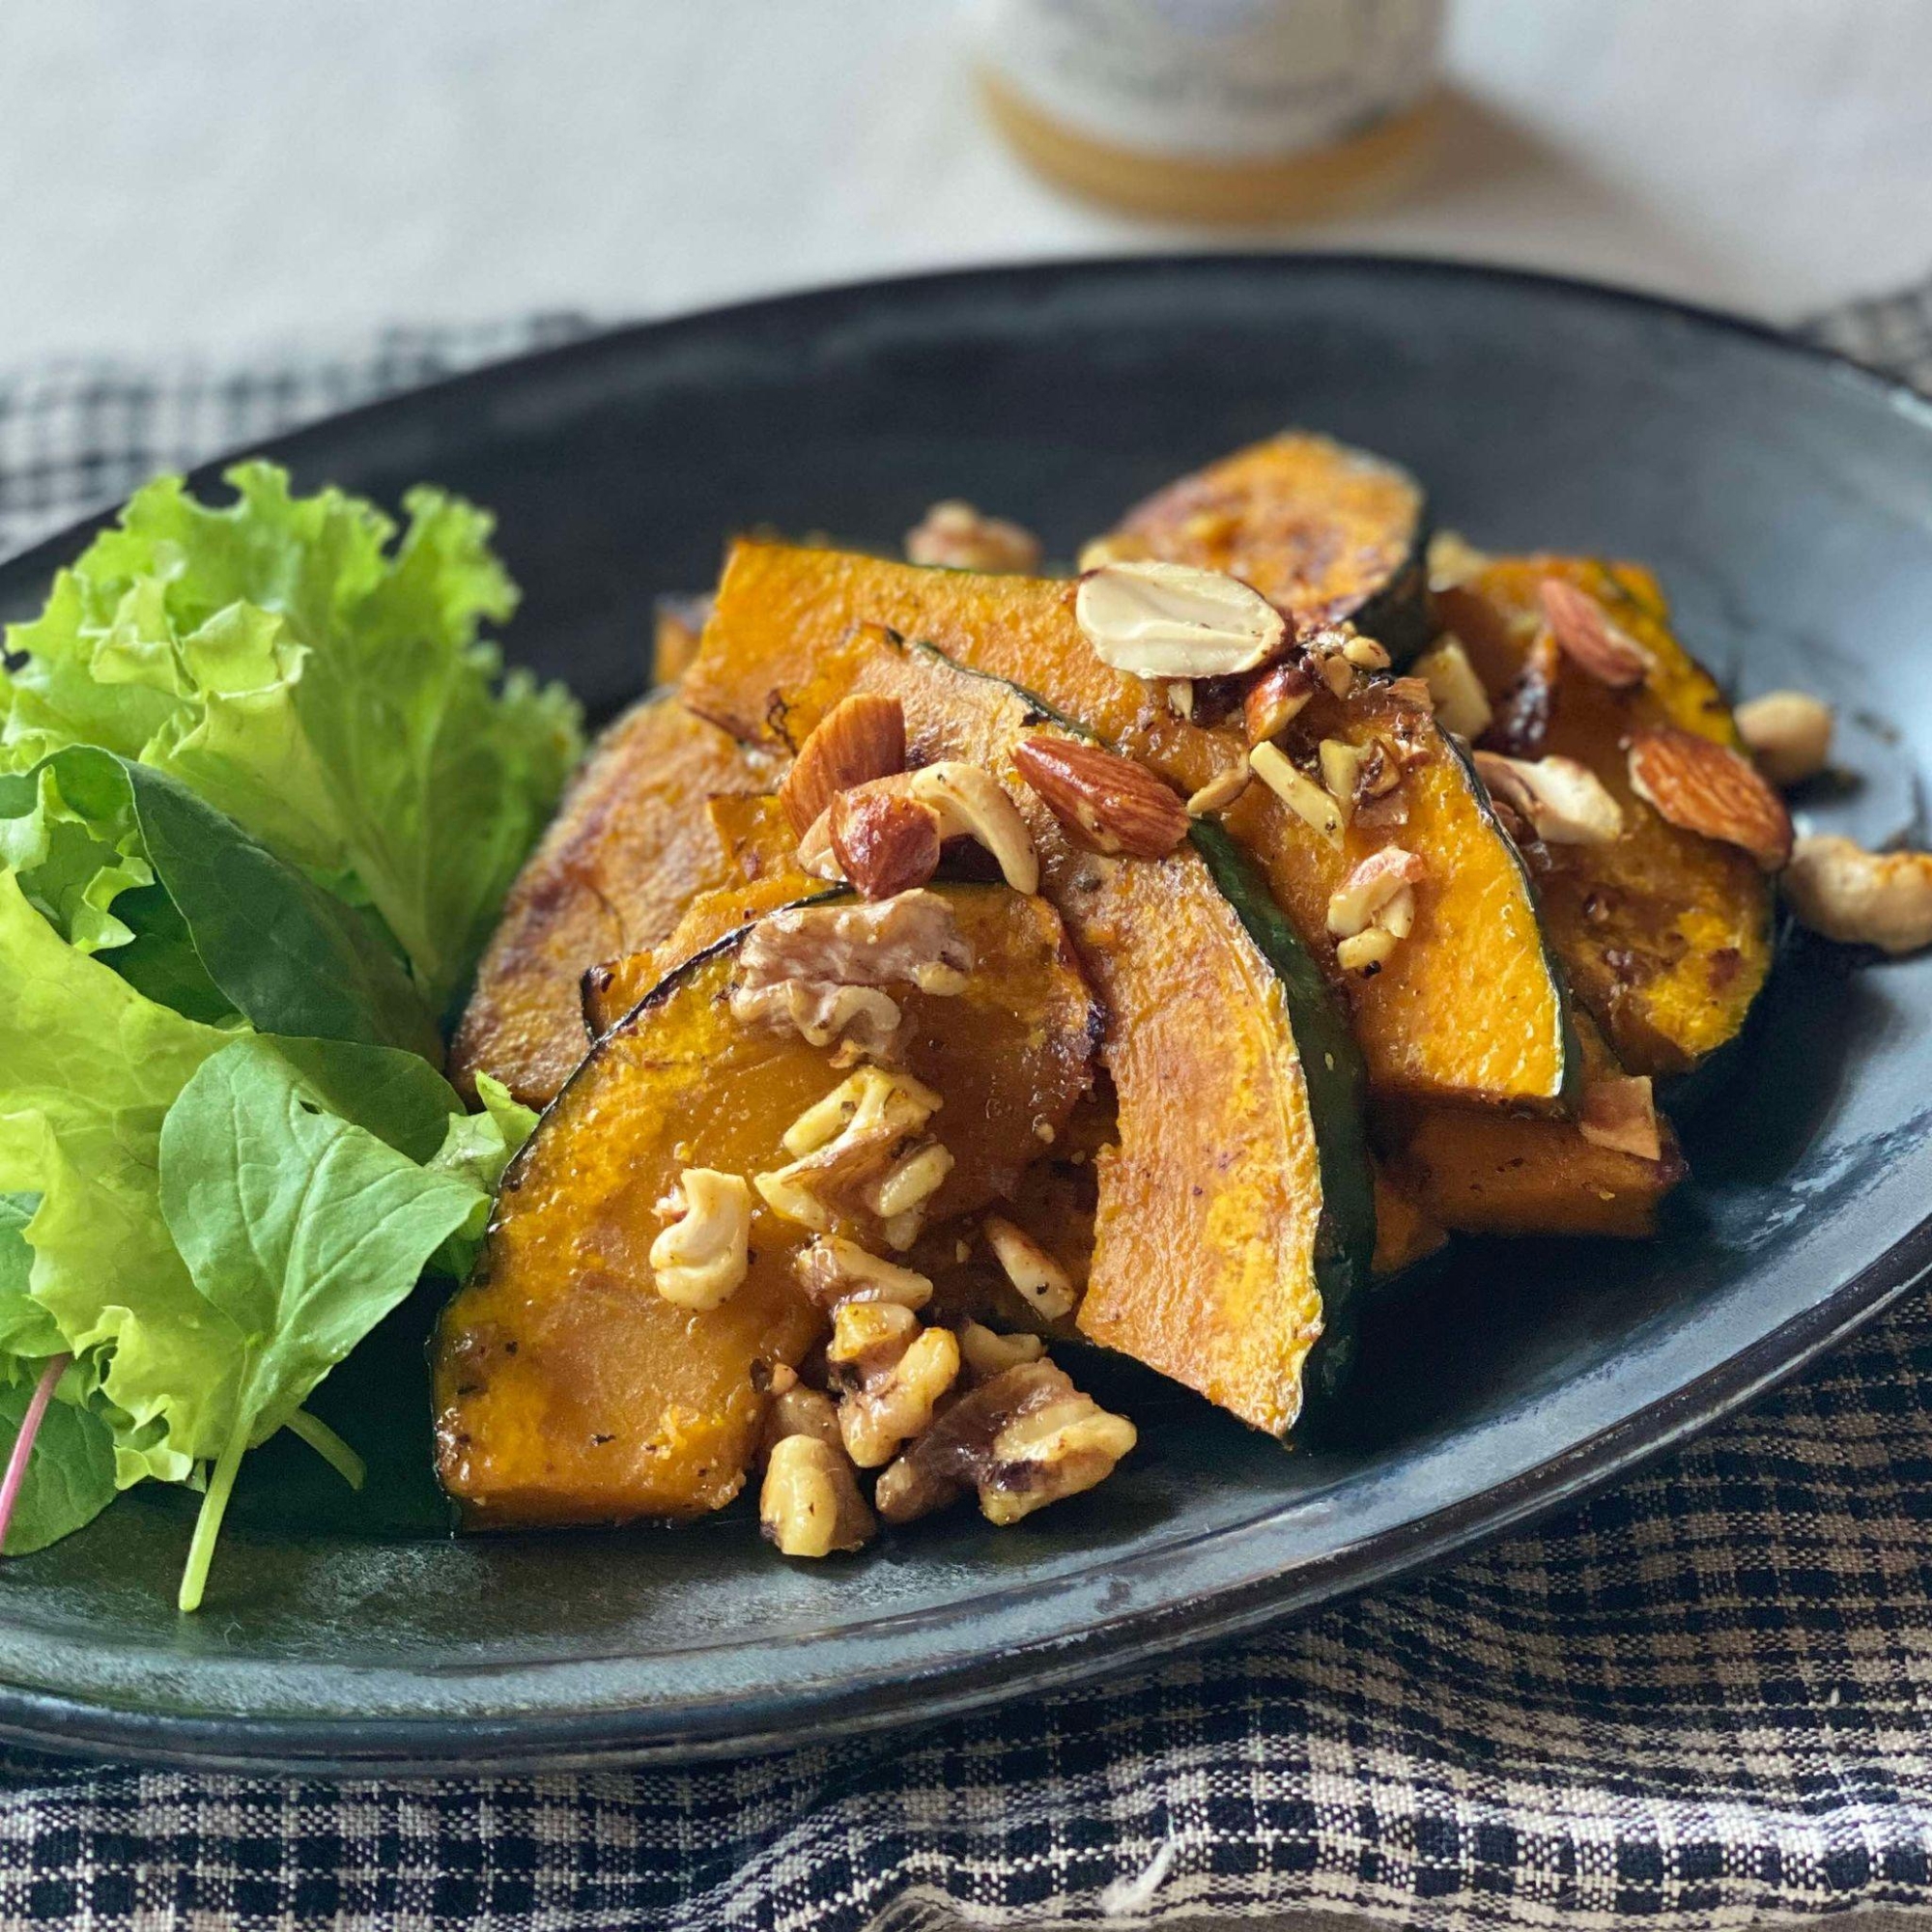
(329, 692)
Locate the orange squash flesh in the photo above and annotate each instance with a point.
(567, 1390)
(1486, 1171)
(629, 848)
(1666, 936)
(1325, 532)
(1470, 1006)
(1223, 1243)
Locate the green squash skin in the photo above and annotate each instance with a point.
(1332, 1068)
(1337, 1081)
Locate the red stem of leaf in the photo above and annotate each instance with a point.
(23, 1444)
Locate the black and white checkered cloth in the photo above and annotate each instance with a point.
(1702, 1701)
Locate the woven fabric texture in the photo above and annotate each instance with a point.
(1703, 1700)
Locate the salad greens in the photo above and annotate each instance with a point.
(262, 790)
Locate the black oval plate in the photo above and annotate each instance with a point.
(1786, 499)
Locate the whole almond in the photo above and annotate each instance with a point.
(861, 737)
(1108, 803)
(1704, 788)
(885, 843)
(1589, 639)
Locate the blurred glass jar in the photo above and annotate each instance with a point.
(1215, 110)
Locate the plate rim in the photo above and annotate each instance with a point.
(723, 1725)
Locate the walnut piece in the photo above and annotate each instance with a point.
(1023, 1439)
(820, 970)
(959, 537)
(810, 1503)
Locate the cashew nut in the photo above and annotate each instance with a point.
(1788, 733)
(1861, 898)
(699, 1260)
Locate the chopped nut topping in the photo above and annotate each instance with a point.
(1341, 767)
(817, 969)
(860, 738)
(956, 536)
(871, 1101)
(1702, 788)
(987, 1354)
(1109, 804)
(699, 1260)
(1861, 898)
(1367, 952)
(834, 1271)
(1587, 638)
(1220, 791)
(885, 843)
(1365, 654)
(1789, 734)
(1453, 559)
(1461, 704)
(862, 1328)
(876, 1164)
(1043, 1283)
(801, 1411)
(1297, 790)
(1274, 701)
(972, 804)
(1565, 802)
(894, 1404)
(1181, 697)
(1171, 620)
(1619, 1113)
(810, 1503)
(1520, 725)
(1025, 1438)
(1371, 888)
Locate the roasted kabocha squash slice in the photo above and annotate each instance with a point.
(1666, 935)
(1469, 1007)
(1233, 1213)
(1326, 533)
(629, 849)
(1486, 1171)
(567, 1388)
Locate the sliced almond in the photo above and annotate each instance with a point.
(885, 843)
(1341, 767)
(1565, 803)
(861, 737)
(1160, 619)
(1587, 638)
(1704, 788)
(1274, 701)
(1620, 1112)
(1367, 952)
(1461, 704)
(1370, 887)
(1108, 803)
(1220, 791)
(1297, 790)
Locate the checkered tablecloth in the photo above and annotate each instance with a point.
(1701, 1701)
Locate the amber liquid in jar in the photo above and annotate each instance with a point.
(1215, 110)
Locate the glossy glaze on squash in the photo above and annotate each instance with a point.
(1234, 1215)
(627, 851)
(1487, 1171)
(1325, 532)
(566, 1389)
(1470, 1006)
(1666, 936)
